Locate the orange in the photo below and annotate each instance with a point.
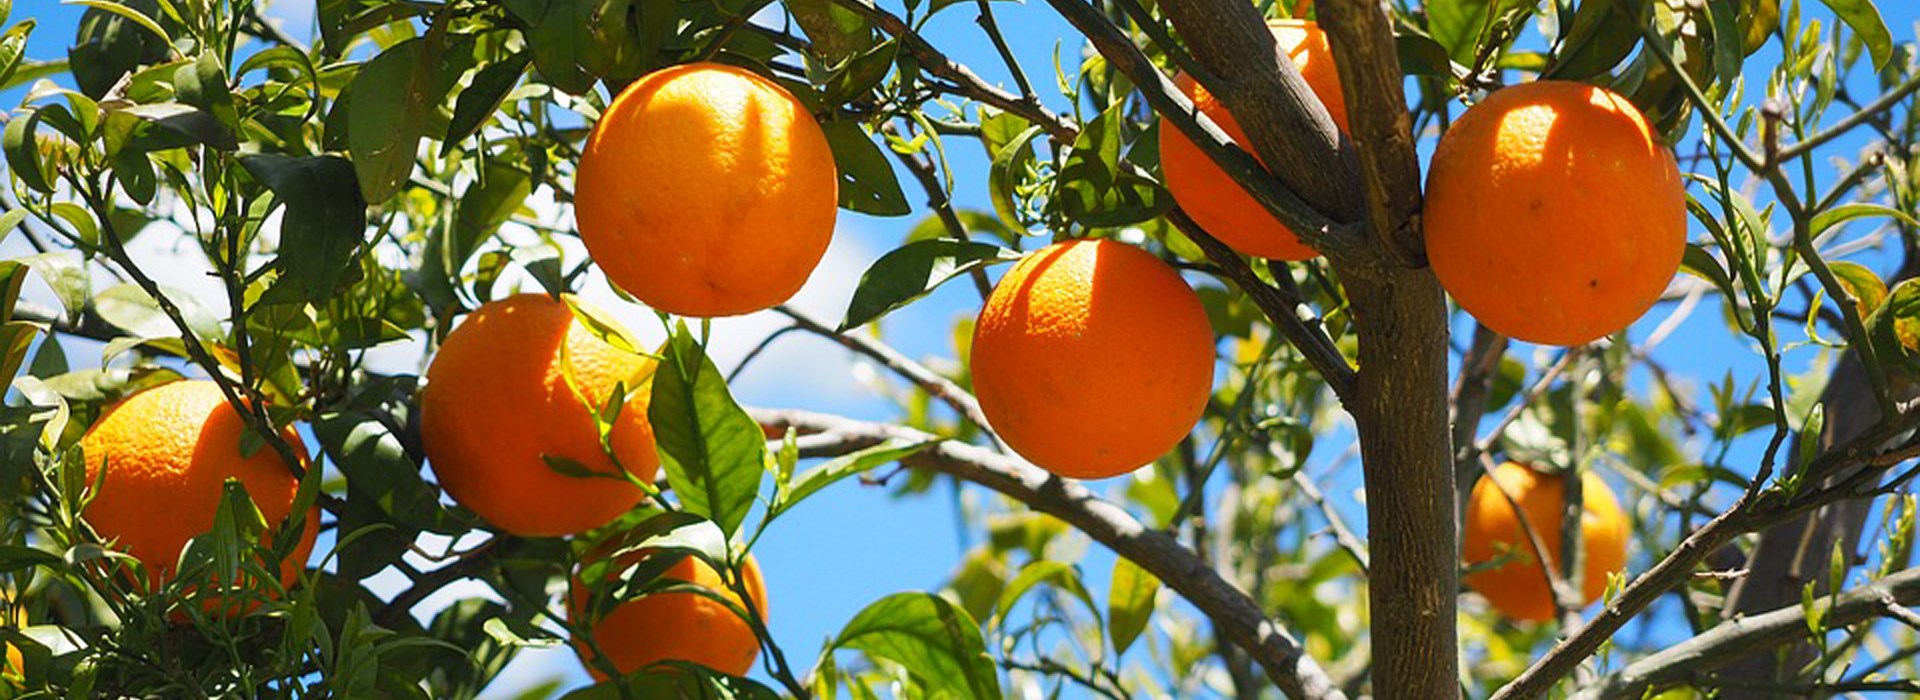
(1552, 213)
(1091, 358)
(707, 190)
(168, 452)
(1518, 587)
(518, 383)
(677, 626)
(1209, 194)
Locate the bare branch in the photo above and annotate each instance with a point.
(1231, 610)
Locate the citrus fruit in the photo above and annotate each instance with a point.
(1518, 587)
(168, 452)
(511, 399)
(677, 626)
(707, 190)
(1091, 358)
(1209, 194)
(1553, 215)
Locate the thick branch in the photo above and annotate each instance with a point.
(1364, 52)
(1742, 636)
(1286, 123)
(1231, 610)
(1299, 188)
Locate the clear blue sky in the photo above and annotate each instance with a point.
(854, 544)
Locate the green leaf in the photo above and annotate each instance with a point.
(1835, 216)
(22, 149)
(1867, 25)
(1603, 34)
(488, 203)
(911, 271)
(867, 181)
(1061, 575)
(111, 42)
(937, 643)
(127, 306)
(713, 452)
(1130, 599)
(1011, 162)
(324, 222)
(1419, 54)
(66, 276)
(1729, 40)
(557, 34)
(1459, 25)
(813, 480)
(13, 47)
(377, 467)
(129, 12)
(836, 32)
(1092, 188)
(393, 96)
(187, 121)
(1702, 264)
(482, 98)
(1867, 288)
(16, 558)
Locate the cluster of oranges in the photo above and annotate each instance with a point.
(1552, 215)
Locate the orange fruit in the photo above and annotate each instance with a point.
(1211, 196)
(168, 452)
(518, 383)
(1552, 213)
(1091, 358)
(677, 626)
(707, 190)
(1518, 587)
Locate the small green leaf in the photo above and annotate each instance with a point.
(867, 181)
(1061, 575)
(813, 480)
(186, 121)
(911, 271)
(482, 98)
(1130, 599)
(13, 47)
(712, 451)
(1867, 288)
(23, 152)
(1092, 188)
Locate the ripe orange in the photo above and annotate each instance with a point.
(1552, 213)
(707, 190)
(1211, 196)
(516, 383)
(1091, 358)
(168, 452)
(677, 626)
(1518, 588)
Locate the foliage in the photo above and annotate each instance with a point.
(367, 190)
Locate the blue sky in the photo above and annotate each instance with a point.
(854, 544)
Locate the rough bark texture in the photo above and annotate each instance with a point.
(1401, 409)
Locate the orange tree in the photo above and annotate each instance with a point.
(380, 186)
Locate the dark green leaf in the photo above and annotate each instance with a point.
(867, 181)
(911, 271)
(23, 152)
(482, 98)
(836, 32)
(1603, 34)
(393, 96)
(558, 35)
(186, 121)
(324, 221)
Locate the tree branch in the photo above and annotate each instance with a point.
(1741, 636)
(1231, 610)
